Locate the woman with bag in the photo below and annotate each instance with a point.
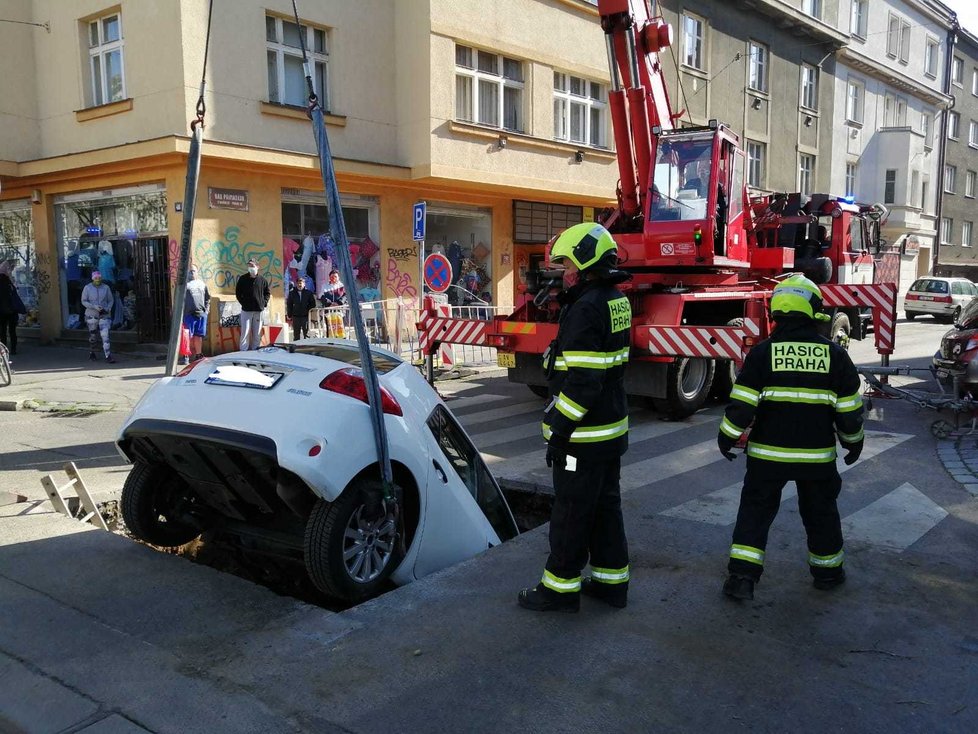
(11, 307)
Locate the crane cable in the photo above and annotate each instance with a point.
(391, 501)
(189, 208)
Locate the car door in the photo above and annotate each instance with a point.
(465, 511)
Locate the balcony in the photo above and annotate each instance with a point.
(788, 17)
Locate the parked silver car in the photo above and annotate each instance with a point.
(944, 298)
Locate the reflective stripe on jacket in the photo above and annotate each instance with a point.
(589, 405)
(799, 393)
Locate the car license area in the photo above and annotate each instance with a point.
(925, 298)
(237, 376)
(506, 359)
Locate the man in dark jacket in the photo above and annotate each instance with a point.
(586, 427)
(253, 293)
(800, 391)
(10, 310)
(297, 307)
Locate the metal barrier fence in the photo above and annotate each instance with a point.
(392, 324)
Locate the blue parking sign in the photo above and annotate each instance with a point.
(420, 219)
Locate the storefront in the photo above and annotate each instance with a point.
(463, 234)
(535, 223)
(122, 234)
(18, 257)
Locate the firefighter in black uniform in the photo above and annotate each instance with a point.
(586, 427)
(800, 391)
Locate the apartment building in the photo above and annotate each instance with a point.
(494, 113)
(957, 254)
(888, 84)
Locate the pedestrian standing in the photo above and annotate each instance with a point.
(11, 307)
(586, 427)
(797, 392)
(196, 306)
(253, 293)
(98, 300)
(297, 307)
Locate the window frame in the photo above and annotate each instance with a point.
(101, 50)
(953, 125)
(967, 227)
(970, 179)
(475, 75)
(850, 178)
(858, 18)
(700, 41)
(931, 50)
(860, 88)
(567, 98)
(758, 66)
(756, 161)
(809, 87)
(889, 185)
(806, 176)
(957, 71)
(950, 178)
(947, 227)
(812, 8)
(318, 60)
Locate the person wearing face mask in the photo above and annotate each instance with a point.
(98, 300)
(253, 293)
(586, 427)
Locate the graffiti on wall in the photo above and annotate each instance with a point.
(399, 282)
(223, 261)
(403, 253)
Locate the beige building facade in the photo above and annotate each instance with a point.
(501, 129)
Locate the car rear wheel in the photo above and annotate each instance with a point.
(911, 315)
(841, 330)
(688, 382)
(154, 498)
(725, 373)
(349, 554)
(955, 315)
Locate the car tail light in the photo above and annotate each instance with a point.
(189, 368)
(912, 297)
(942, 299)
(497, 340)
(350, 382)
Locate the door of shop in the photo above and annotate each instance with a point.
(152, 281)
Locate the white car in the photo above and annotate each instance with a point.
(945, 298)
(276, 446)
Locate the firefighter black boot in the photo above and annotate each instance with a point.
(830, 582)
(614, 594)
(542, 599)
(739, 587)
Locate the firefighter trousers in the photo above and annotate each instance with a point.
(586, 519)
(760, 501)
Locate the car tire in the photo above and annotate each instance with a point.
(911, 315)
(955, 315)
(541, 391)
(326, 545)
(150, 497)
(688, 382)
(724, 373)
(841, 330)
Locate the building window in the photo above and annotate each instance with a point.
(850, 179)
(108, 78)
(488, 88)
(579, 110)
(973, 134)
(812, 8)
(966, 228)
(950, 178)
(854, 101)
(535, 223)
(930, 58)
(898, 38)
(974, 81)
(757, 79)
(809, 87)
(889, 186)
(914, 186)
(947, 224)
(926, 125)
(857, 18)
(755, 164)
(806, 172)
(283, 51)
(969, 184)
(693, 31)
(953, 125)
(957, 70)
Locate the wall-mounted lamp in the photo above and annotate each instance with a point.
(808, 120)
(36, 196)
(579, 156)
(755, 103)
(502, 141)
(853, 133)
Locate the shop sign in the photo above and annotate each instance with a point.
(236, 199)
(911, 245)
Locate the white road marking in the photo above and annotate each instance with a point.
(720, 507)
(895, 521)
(460, 403)
(665, 466)
(484, 416)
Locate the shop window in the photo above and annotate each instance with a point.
(18, 258)
(106, 70)
(286, 77)
(464, 236)
(308, 249)
(535, 222)
(124, 237)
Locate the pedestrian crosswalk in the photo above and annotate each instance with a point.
(679, 460)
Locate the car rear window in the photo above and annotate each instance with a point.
(930, 286)
(351, 355)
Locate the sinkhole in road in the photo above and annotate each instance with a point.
(284, 573)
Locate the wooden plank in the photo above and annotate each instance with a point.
(94, 516)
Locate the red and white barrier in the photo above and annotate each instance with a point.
(880, 297)
(715, 342)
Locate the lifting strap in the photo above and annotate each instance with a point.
(189, 207)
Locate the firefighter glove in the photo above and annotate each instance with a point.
(557, 448)
(853, 452)
(726, 445)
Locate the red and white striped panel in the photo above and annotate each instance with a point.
(881, 297)
(450, 331)
(716, 342)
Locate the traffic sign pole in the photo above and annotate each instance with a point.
(420, 211)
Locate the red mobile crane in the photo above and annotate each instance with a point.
(704, 254)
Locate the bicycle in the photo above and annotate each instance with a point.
(5, 372)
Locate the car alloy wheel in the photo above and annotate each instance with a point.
(368, 546)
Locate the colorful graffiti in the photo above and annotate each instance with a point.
(400, 283)
(222, 262)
